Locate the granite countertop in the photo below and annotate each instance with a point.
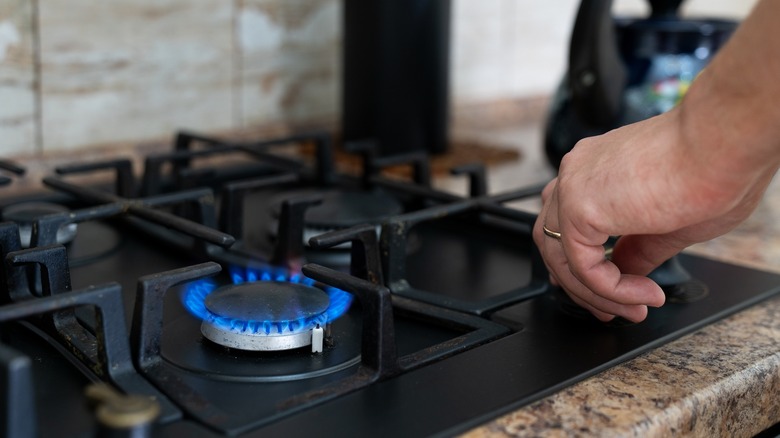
(722, 380)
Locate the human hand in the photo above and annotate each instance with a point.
(650, 183)
(665, 183)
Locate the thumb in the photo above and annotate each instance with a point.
(640, 254)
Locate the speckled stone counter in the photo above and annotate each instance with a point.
(722, 380)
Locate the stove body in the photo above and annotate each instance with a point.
(451, 320)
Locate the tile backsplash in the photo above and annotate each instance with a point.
(18, 120)
(76, 74)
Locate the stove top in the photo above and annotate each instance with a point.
(248, 289)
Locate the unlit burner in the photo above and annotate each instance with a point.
(24, 214)
(265, 316)
(343, 209)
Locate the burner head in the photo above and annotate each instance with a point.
(342, 209)
(265, 316)
(25, 213)
(345, 209)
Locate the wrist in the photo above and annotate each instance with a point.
(732, 110)
(730, 128)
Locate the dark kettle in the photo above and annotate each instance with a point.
(622, 70)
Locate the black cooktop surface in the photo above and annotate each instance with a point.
(447, 322)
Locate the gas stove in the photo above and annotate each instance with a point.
(252, 289)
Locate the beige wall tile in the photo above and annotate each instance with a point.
(133, 69)
(506, 48)
(17, 77)
(291, 60)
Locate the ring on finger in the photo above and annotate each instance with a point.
(548, 232)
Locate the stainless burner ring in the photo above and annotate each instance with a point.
(255, 342)
(265, 315)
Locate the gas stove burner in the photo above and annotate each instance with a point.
(25, 213)
(264, 313)
(340, 209)
(265, 316)
(343, 209)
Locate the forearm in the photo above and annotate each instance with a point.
(730, 118)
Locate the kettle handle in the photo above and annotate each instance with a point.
(664, 8)
(597, 76)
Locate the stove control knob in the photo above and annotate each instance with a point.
(122, 415)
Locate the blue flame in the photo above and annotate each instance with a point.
(195, 294)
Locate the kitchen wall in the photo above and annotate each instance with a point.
(78, 74)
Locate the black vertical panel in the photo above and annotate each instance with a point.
(396, 74)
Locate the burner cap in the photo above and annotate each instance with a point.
(265, 316)
(345, 209)
(25, 213)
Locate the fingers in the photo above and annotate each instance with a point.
(640, 254)
(596, 273)
(579, 266)
(598, 285)
(602, 308)
(548, 189)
